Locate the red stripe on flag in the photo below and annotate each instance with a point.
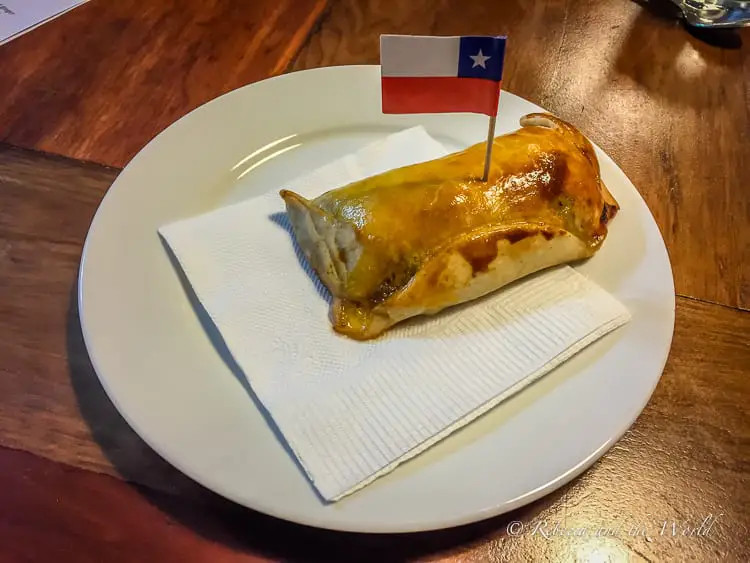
(439, 94)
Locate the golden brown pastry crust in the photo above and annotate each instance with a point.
(418, 239)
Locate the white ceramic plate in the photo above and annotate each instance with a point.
(162, 372)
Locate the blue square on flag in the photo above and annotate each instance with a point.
(481, 57)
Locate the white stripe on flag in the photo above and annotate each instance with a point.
(418, 55)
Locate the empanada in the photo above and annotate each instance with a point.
(418, 239)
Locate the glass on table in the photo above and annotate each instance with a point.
(715, 13)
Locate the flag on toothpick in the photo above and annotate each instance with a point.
(426, 74)
(423, 74)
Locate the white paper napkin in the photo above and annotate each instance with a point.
(352, 411)
(21, 16)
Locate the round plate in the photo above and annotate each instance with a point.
(159, 368)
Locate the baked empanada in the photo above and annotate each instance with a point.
(418, 239)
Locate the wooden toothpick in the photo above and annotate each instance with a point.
(488, 154)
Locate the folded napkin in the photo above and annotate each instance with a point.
(352, 411)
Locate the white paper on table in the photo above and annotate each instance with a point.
(21, 16)
(352, 411)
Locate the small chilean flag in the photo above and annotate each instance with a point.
(427, 74)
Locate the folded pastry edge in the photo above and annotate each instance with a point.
(317, 234)
(583, 144)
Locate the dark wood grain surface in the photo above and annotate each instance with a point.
(670, 107)
(79, 485)
(99, 82)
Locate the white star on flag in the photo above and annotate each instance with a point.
(479, 59)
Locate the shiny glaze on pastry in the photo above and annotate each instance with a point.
(421, 238)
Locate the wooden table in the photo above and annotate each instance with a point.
(81, 95)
